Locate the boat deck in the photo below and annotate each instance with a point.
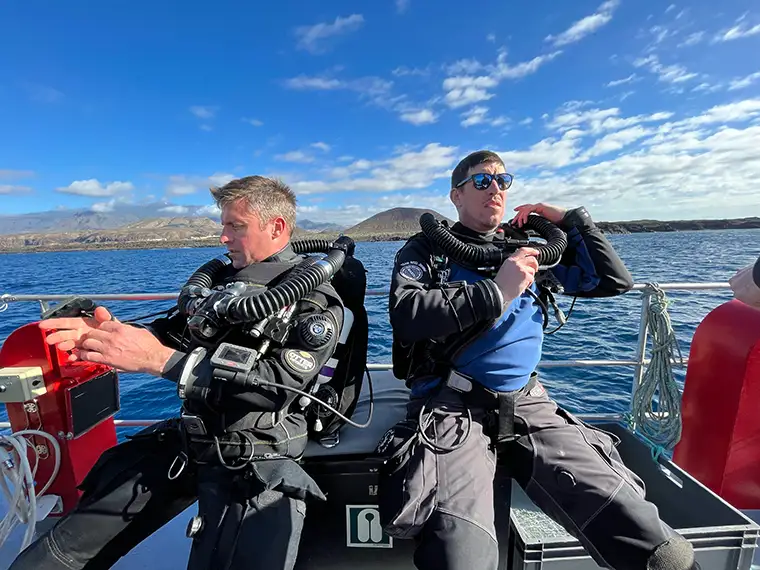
(168, 548)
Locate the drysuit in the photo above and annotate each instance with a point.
(470, 363)
(249, 518)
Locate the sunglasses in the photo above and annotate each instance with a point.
(482, 181)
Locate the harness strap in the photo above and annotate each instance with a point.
(500, 419)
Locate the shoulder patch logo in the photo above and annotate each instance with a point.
(300, 361)
(412, 270)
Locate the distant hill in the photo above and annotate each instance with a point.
(641, 226)
(390, 225)
(201, 231)
(119, 216)
(153, 232)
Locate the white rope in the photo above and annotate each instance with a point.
(20, 495)
(662, 426)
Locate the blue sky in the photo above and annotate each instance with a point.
(634, 108)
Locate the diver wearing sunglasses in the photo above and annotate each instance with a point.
(467, 345)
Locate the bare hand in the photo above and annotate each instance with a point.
(744, 287)
(70, 330)
(109, 342)
(552, 213)
(517, 273)
(125, 347)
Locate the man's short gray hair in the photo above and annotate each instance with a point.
(266, 197)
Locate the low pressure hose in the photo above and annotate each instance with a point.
(290, 290)
(311, 245)
(203, 278)
(556, 240)
(549, 253)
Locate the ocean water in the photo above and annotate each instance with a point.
(597, 329)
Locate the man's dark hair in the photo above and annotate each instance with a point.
(473, 159)
(266, 197)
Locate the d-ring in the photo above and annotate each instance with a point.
(182, 458)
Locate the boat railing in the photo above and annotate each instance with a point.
(639, 362)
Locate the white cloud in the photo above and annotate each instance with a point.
(630, 79)
(585, 26)
(670, 8)
(404, 71)
(93, 187)
(667, 73)
(474, 116)
(479, 116)
(402, 6)
(680, 169)
(622, 166)
(421, 117)
(373, 88)
(204, 112)
(741, 30)
(104, 207)
(295, 156)
(15, 174)
(708, 88)
(692, 39)
(175, 210)
(324, 147)
(526, 121)
(180, 184)
(313, 38)
(406, 170)
(316, 83)
(462, 90)
(221, 178)
(743, 82)
(13, 189)
(253, 122)
(659, 34)
(210, 211)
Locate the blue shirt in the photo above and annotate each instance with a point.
(503, 357)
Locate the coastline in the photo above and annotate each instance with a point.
(611, 228)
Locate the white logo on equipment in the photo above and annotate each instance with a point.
(363, 529)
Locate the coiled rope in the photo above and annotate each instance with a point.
(662, 427)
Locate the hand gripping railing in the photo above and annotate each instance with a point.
(639, 363)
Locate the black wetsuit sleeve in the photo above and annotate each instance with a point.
(590, 266)
(293, 365)
(420, 309)
(171, 331)
(756, 273)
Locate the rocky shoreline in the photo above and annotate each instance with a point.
(378, 228)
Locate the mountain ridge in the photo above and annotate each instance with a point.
(201, 231)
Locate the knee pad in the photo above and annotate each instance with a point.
(675, 553)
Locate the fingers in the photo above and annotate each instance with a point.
(89, 356)
(525, 252)
(523, 211)
(63, 335)
(102, 315)
(92, 344)
(63, 323)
